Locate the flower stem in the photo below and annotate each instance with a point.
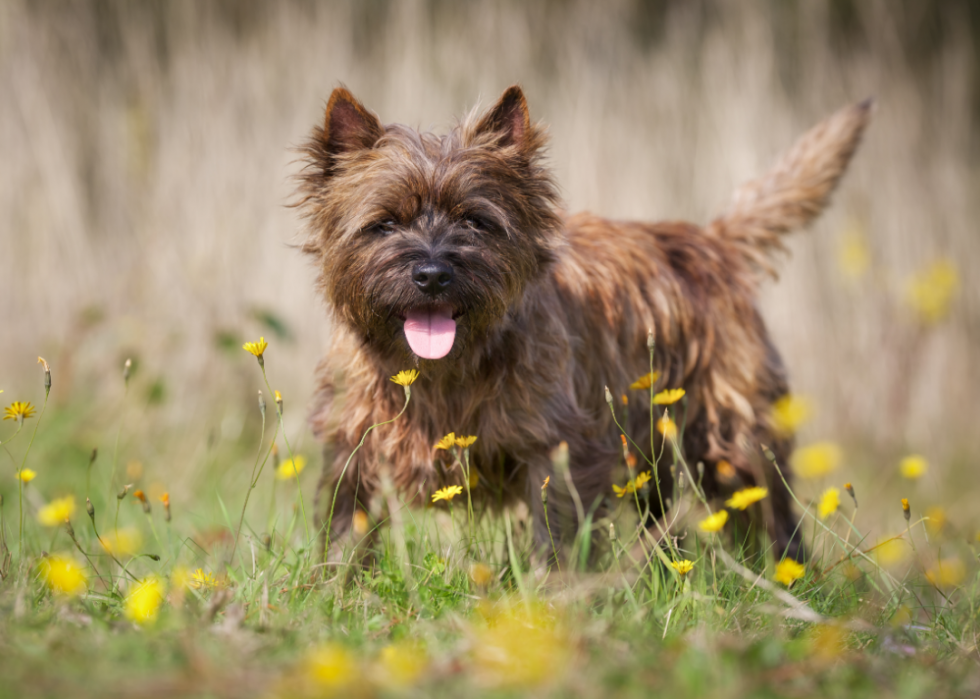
(20, 482)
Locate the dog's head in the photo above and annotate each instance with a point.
(424, 242)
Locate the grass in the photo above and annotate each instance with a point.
(172, 601)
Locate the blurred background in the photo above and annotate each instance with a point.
(147, 150)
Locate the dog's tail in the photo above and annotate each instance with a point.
(796, 190)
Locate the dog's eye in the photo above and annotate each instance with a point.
(383, 227)
(478, 223)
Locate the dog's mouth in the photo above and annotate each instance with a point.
(431, 330)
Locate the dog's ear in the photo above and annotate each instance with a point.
(348, 125)
(508, 119)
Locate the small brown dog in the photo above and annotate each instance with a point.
(449, 254)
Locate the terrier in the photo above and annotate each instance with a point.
(449, 254)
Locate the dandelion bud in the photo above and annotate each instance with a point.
(90, 508)
(47, 375)
(559, 456)
(70, 529)
(609, 398)
(625, 399)
(279, 402)
(141, 496)
(544, 491)
(153, 557)
(127, 370)
(906, 510)
(612, 531)
(850, 491)
(122, 493)
(700, 470)
(768, 453)
(94, 456)
(626, 451)
(262, 404)
(651, 341)
(165, 499)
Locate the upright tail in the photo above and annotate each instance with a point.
(796, 190)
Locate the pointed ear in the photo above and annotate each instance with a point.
(508, 118)
(347, 125)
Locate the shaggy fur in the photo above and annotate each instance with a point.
(550, 309)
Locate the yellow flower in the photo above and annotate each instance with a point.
(290, 468)
(447, 493)
(56, 512)
(256, 348)
(816, 460)
(745, 497)
(667, 427)
(949, 572)
(63, 575)
(789, 412)
(18, 411)
(669, 396)
(913, 466)
(405, 378)
(481, 574)
(143, 604)
(463, 442)
(645, 381)
(935, 520)
(332, 668)
(853, 254)
(891, 551)
(725, 470)
(401, 664)
(713, 523)
(829, 503)
(200, 580)
(906, 510)
(789, 571)
(361, 523)
(521, 647)
(447, 441)
(26, 475)
(929, 292)
(683, 567)
(180, 578)
(547, 480)
(123, 542)
(633, 485)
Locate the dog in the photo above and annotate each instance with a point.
(450, 254)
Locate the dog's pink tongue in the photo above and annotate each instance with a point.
(430, 332)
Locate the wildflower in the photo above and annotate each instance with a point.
(713, 523)
(913, 466)
(63, 575)
(57, 511)
(631, 461)
(464, 442)
(547, 480)
(165, 499)
(200, 580)
(853, 255)
(683, 567)
(645, 381)
(850, 491)
(935, 520)
(257, 349)
(26, 475)
(122, 493)
(827, 641)
(625, 399)
(180, 578)
(141, 496)
(47, 375)
(143, 604)
(360, 523)
(789, 412)
(278, 402)
(789, 571)
(745, 497)
(446, 442)
(521, 647)
(906, 510)
(447, 493)
(725, 470)
(18, 411)
(290, 468)
(331, 668)
(816, 460)
(667, 427)
(481, 574)
(405, 378)
(929, 292)
(626, 449)
(829, 502)
(949, 572)
(669, 396)
(401, 664)
(122, 542)
(608, 395)
(633, 485)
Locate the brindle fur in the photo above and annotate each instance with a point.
(551, 308)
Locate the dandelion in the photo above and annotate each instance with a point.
(405, 378)
(447, 493)
(481, 574)
(850, 491)
(669, 396)
(122, 542)
(913, 467)
(63, 575)
(360, 522)
(56, 512)
(464, 442)
(19, 411)
(816, 460)
(667, 427)
(290, 468)
(544, 486)
(521, 647)
(745, 497)
(789, 412)
(625, 399)
(789, 571)
(257, 349)
(935, 520)
(143, 604)
(201, 580)
(725, 470)
(165, 499)
(713, 523)
(141, 496)
(645, 382)
(906, 510)
(891, 550)
(446, 442)
(683, 567)
(26, 475)
(949, 572)
(829, 502)
(929, 292)
(401, 664)
(279, 402)
(331, 668)
(633, 485)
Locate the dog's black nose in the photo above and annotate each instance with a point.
(431, 277)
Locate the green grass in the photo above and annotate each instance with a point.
(448, 606)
